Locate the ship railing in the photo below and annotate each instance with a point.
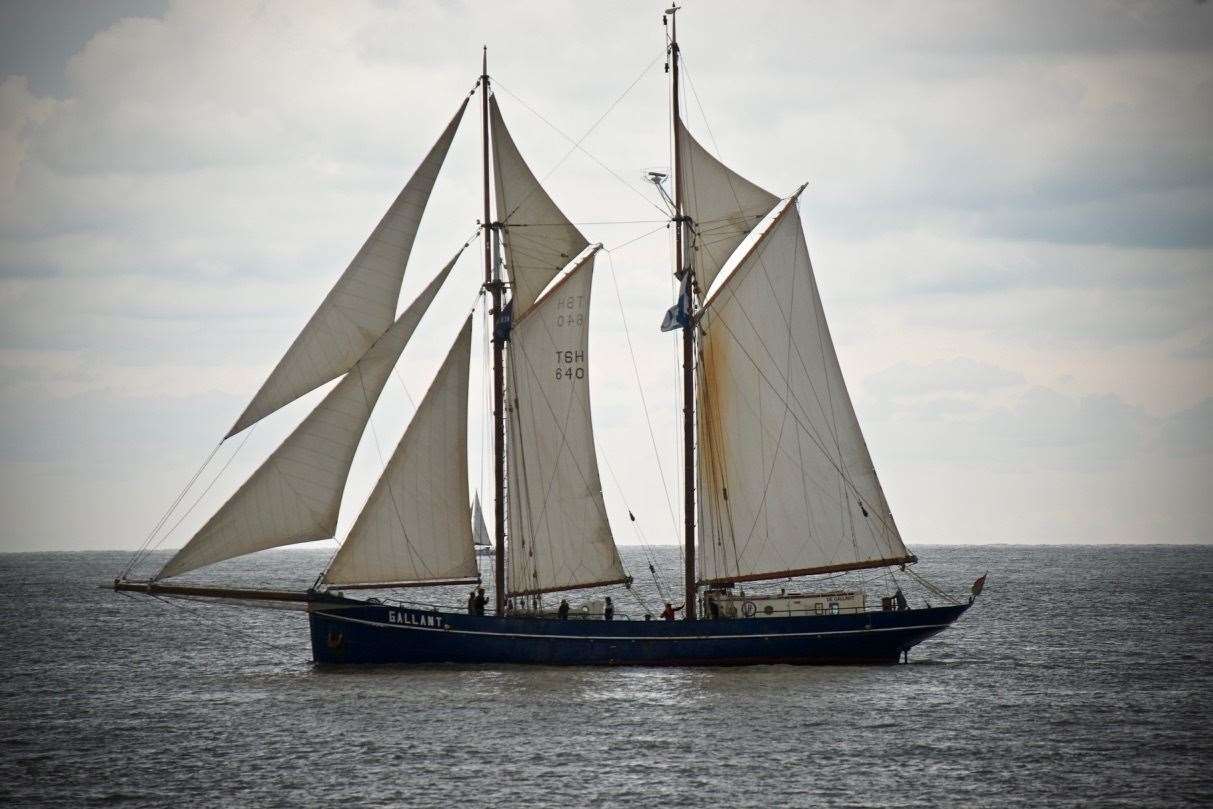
(770, 611)
(574, 615)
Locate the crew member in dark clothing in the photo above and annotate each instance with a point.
(668, 613)
(608, 611)
(713, 609)
(479, 601)
(902, 604)
(563, 612)
(472, 602)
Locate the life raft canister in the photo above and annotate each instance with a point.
(748, 609)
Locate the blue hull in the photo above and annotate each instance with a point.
(350, 631)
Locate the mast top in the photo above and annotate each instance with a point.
(484, 62)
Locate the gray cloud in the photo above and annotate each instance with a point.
(1002, 195)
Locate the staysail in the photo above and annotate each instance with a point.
(414, 528)
(361, 305)
(539, 239)
(724, 207)
(560, 538)
(787, 486)
(295, 495)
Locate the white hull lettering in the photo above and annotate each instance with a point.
(414, 619)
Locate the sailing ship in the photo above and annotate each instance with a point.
(778, 483)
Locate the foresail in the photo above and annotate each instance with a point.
(414, 527)
(787, 485)
(724, 207)
(559, 536)
(294, 496)
(361, 305)
(539, 239)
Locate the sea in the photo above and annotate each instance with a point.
(1081, 677)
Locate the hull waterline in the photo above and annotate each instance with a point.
(352, 632)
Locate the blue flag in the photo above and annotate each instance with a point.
(679, 315)
(503, 323)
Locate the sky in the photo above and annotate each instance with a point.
(1009, 210)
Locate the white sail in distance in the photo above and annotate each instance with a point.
(559, 536)
(480, 531)
(539, 239)
(361, 305)
(295, 495)
(786, 483)
(414, 528)
(724, 207)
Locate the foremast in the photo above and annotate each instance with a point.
(495, 287)
(688, 340)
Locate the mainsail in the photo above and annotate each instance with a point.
(361, 305)
(414, 528)
(724, 207)
(560, 538)
(539, 239)
(294, 496)
(787, 486)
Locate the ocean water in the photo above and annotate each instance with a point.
(1082, 677)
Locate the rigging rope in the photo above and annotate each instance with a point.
(294, 658)
(665, 488)
(577, 143)
(143, 549)
(194, 505)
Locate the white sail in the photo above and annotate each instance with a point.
(414, 527)
(724, 207)
(480, 531)
(361, 305)
(539, 238)
(559, 537)
(294, 496)
(786, 484)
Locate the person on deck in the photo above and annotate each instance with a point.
(563, 612)
(608, 610)
(472, 601)
(902, 604)
(668, 613)
(479, 601)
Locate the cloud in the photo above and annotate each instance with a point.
(959, 374)
(1002, 197)
(974, 414)
(1189, 432)
(1202, 350)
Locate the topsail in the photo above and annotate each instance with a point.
(724, 207)
(361, 305)
(787, 486)
(539, 239)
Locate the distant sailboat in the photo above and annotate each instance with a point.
(778, 479)
(480, 531)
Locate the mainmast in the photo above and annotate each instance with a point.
(492, 282)
(688, 345)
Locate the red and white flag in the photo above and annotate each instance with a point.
(980, 584)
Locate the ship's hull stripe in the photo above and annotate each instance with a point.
(444, 630)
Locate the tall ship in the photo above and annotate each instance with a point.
(778, 485)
